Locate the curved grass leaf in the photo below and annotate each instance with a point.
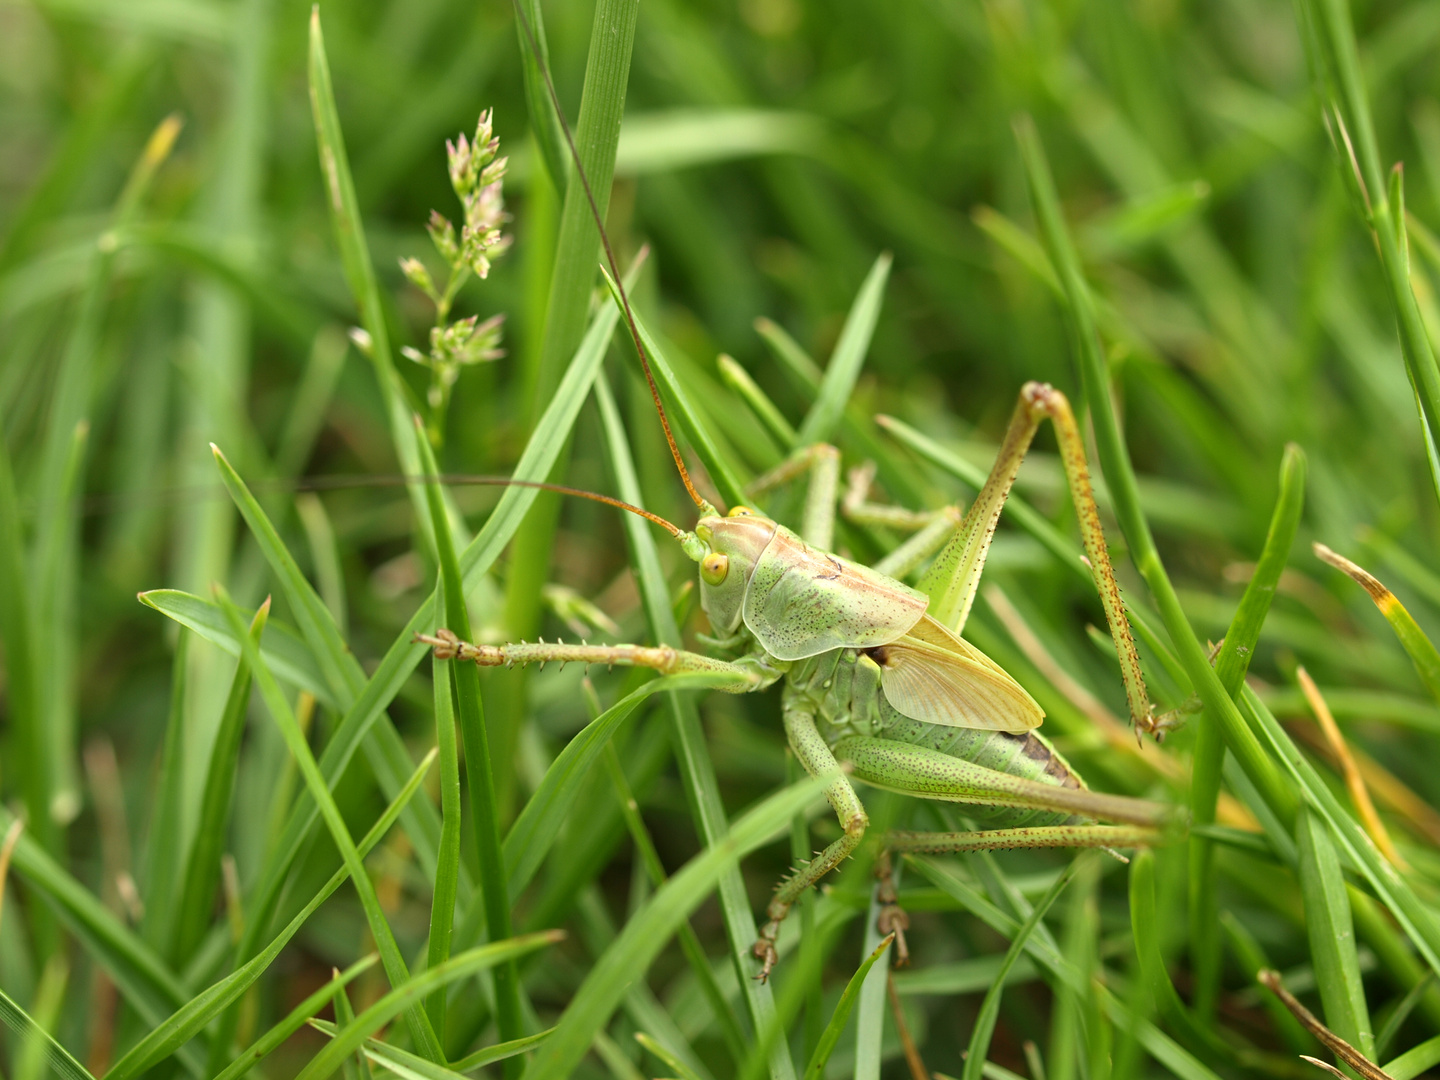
(534, 831)
(409, 994)
(1234, 660)
(284, 650)
(484, 812)
(1416, 1060)
(844, 368)
(192, 1017)
(1417, 644)
(651, 927)
(413, 1067)
(815, 1067)
(294, 1020)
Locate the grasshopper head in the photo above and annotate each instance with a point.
(727, 549)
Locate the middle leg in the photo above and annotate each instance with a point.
(814, 755)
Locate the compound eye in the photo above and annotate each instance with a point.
(740, 511)
(714, 567)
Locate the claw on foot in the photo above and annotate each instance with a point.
(765, 950)
(444, 642)
(893, 920)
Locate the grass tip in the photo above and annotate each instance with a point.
(1366, 580)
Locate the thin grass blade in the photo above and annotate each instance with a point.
(60, 1060)
(384, 936)
(985, 1019)
(1332, 935)
(815, 1068)
(484, 812)
(652, 926)
(196, 1013)
(410, 993)
(844, 368)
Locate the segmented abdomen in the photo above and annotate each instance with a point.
(854, 704)
(1029, 756)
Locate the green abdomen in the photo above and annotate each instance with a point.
(848, 702)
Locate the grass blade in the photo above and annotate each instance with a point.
(284, 650)
(1332, 935)
(395, 968)
(1417, 645)
(261, 1048)
(447, 877)
(678, 404)
(652, 926)
(1231, 665)
(484, 814)
(18, 1020)
(202, 867)
(984, 1028)
(839, 383)
(409, 994)
(413, 1067)
(534, 831)
(815, 1068)
(355, 258)
(192, 1017)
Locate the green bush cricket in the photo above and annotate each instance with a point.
(875, 673)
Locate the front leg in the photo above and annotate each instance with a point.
(746, 674)
(814, 754)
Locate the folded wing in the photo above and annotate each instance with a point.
(930, 674)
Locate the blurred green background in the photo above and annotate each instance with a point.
(771, 150)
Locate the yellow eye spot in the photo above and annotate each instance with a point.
(740, 511)
(714, 567)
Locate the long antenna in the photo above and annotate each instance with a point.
(609, 253)
(336, 482)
